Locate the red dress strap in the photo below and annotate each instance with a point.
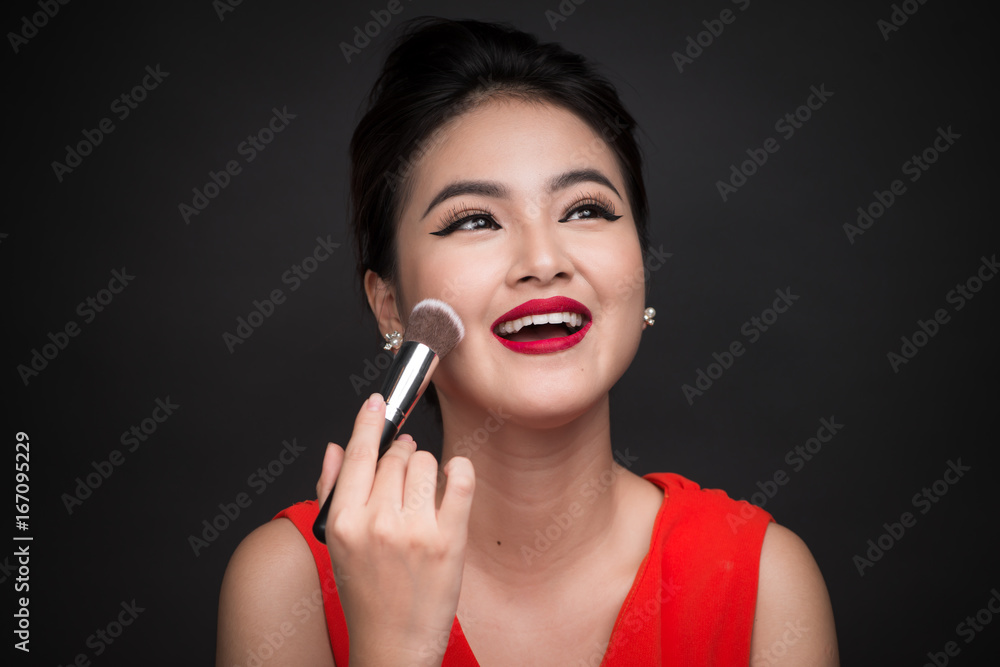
(303, 515)
(706, 576)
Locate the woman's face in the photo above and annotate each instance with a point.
(518, 209)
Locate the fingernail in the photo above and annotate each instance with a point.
(374, 402)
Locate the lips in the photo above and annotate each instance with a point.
(560, 305)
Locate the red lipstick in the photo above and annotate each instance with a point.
(554, 304)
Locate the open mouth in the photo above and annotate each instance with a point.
(540, 326)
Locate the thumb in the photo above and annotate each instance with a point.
(456, 505)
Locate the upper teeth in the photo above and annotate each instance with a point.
(513, 326)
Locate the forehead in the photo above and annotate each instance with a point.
(520, 143)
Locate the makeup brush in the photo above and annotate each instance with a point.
(434, 329)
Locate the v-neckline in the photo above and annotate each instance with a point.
(460, 652)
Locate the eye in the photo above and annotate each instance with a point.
(591, 207)
(467, 221)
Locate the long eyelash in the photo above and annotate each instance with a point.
(593, 200)
(458, 215)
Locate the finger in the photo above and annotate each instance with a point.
(354, 484)
(390, 475)
(420, 489)
(332, 460)
(456, 505)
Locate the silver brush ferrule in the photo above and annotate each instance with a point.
(409, 374)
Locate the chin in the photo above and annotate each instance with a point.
(538, 391)
(545, 418)
(546, 405)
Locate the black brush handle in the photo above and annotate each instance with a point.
(389, 431)
(407, 378)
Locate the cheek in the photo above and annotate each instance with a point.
(460, 279)
(620, 273)
(419, 278)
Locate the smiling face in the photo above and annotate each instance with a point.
(518, 218)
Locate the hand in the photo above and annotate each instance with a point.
(398, 558)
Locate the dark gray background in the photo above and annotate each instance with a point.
(825, 357)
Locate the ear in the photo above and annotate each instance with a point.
(384, 303)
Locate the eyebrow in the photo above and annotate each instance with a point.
(570, 178)
(501, 191)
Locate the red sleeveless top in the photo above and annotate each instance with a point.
(692, 601)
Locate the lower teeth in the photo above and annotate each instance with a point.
(569, 331)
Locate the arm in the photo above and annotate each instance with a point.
(268, 604)
(399, 560)
(793, 624)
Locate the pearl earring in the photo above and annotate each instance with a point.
(393, 340)
(648, 316)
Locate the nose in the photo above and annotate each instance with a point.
(540, 254)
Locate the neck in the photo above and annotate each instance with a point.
(543, 497)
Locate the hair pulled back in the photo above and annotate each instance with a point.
(439, 69)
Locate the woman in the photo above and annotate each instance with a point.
(503, 176)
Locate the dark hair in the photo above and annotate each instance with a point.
(437, 70)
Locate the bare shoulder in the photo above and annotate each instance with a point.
(271, 603)
(793, 624)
